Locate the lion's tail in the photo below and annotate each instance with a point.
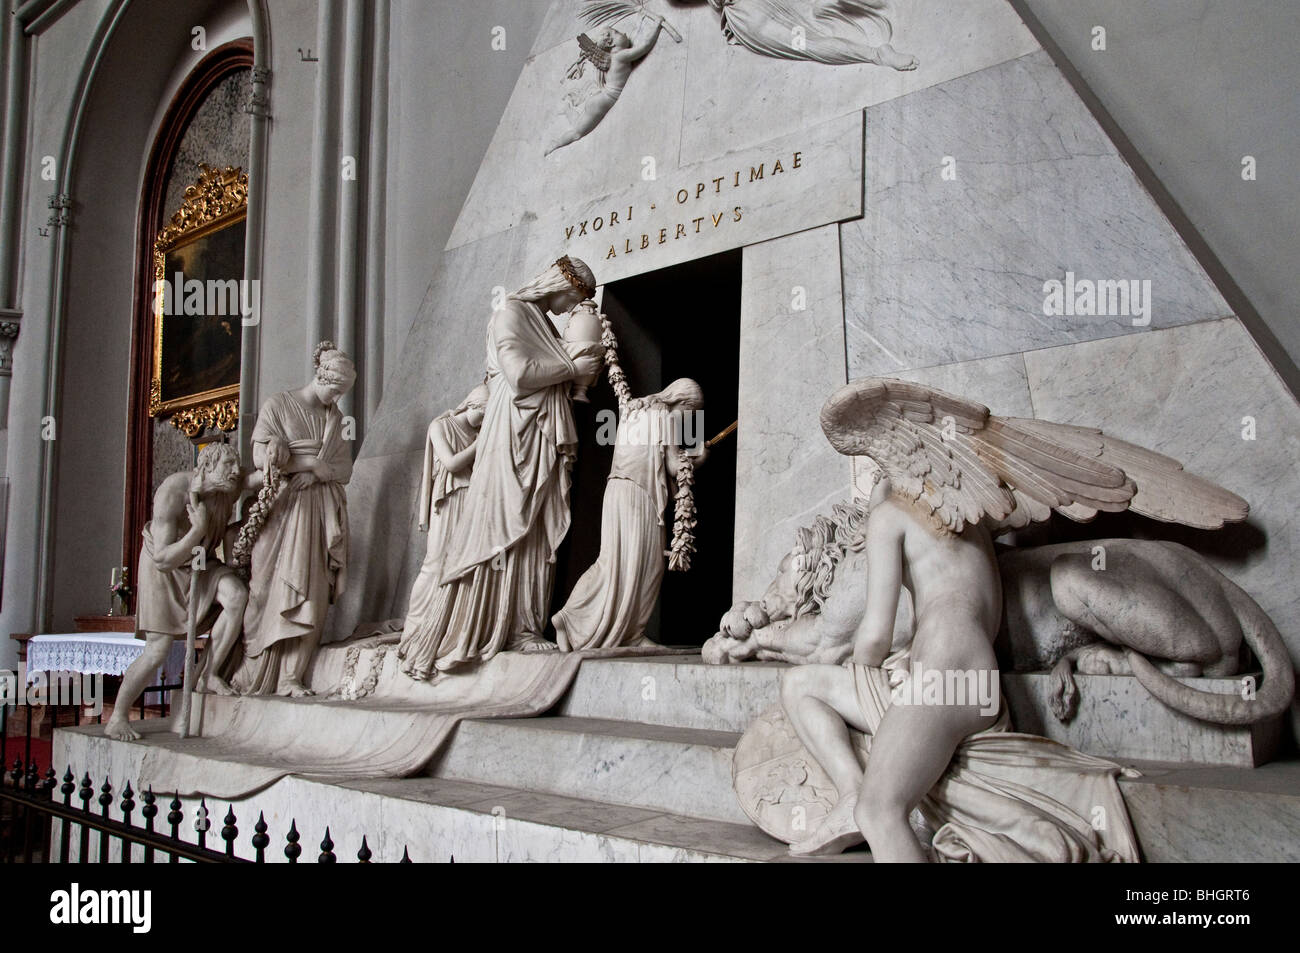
(1264, 640)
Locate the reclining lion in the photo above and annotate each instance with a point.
(1156, 611)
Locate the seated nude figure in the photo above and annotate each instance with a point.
(948, 474)
(957, 598)
(191, 510)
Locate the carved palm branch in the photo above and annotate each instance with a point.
(602, 12)
(965, 465)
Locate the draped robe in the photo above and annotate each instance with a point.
(299, 562)
(442, 497)
(614, 599)
(850, 31)
(500, 561)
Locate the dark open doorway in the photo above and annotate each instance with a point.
(682, 321)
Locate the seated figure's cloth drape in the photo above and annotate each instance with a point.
(1009, 797)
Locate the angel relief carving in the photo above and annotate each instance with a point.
(833, 32)
(606, 58)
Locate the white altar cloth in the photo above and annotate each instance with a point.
(97, 653)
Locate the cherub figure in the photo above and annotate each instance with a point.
(612, 54)
(949, 474)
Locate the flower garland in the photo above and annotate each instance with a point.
(241, 555)
(684, 515)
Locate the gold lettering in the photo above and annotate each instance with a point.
(697, 223)
(756, 173)
(627, 246)
(612, 253)
(699, 189)
(718, 218)
(778, 168)
(645, 240)
(737, 183)
(663, 235)
(717, 186)
(798, 160)
(681, 232)
(613, 219)
(568, 232)
(598, 224)
(737, 213)
(682, 196)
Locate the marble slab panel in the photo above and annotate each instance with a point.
(1216, 815)
(949, 268)
(680, 691)
(1193, 393)
(791, 360)
(385, 545)
(682, 771)
(1119, 719)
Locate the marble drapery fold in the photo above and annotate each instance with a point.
(299, 562)
(499, 564)
(442, 498)
(1008, 797)
(615, 597)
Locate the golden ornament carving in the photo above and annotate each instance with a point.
(223, 415)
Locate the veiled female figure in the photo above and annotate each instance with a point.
(615, 597)
(299, 561)
(449, 451)
(499, 564)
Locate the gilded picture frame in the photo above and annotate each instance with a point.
(198, 294)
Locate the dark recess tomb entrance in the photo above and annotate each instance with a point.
(682, 321)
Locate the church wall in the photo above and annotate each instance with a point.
(149, 57)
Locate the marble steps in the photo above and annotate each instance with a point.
(437, 819)
(1117, 717)
(684, 771)
(1190, 814)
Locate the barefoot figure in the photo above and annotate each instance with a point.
(300, 557)
(616, 596)
(449, 450)
(191, 510)
(612, 55)
(949, 473)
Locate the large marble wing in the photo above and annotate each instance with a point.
(1165, 491)
(965, 465)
